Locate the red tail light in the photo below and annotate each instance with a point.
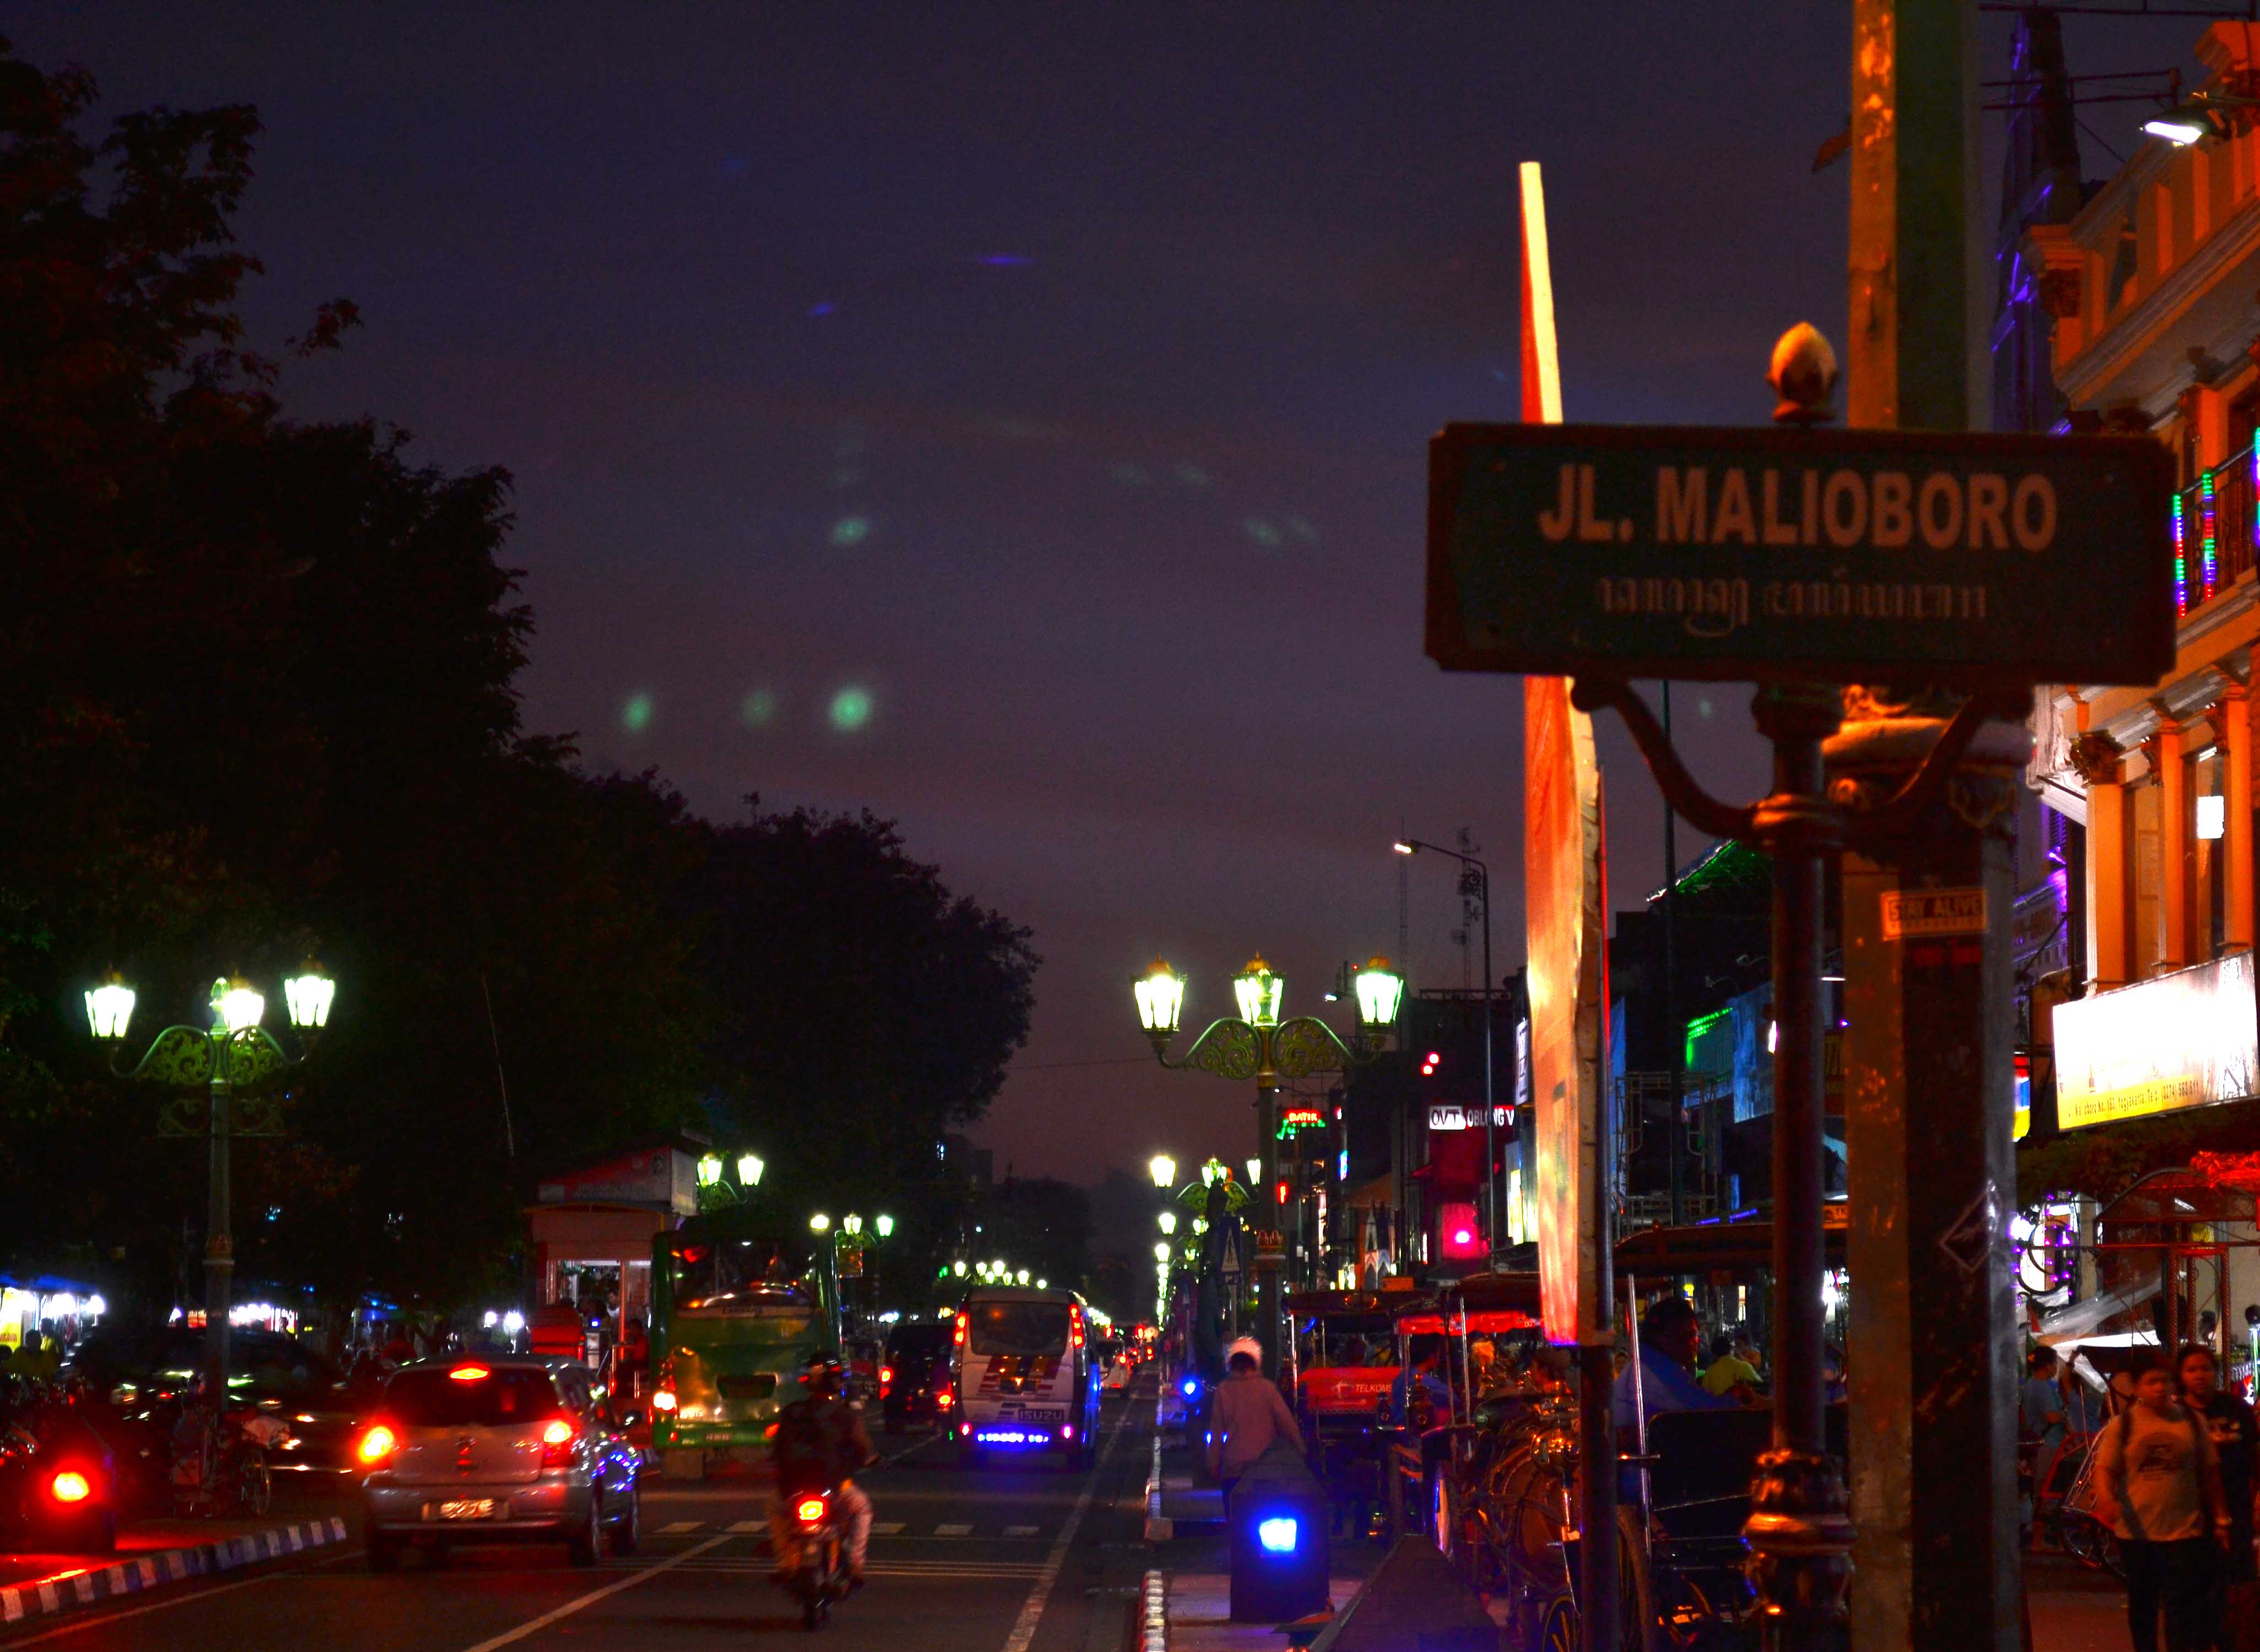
(557, 1444)
(958, 1336)
(70, 1486)
(377, 1445)
(810, 1511)
(1074, 1327)
(944, 1400)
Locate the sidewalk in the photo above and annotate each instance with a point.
(1185, 1603)
(2074, 1609)
(151, 1554)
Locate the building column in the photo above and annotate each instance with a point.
(2165, 749)
(2109, 953)
(2236, 795)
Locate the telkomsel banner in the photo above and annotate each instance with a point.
(1564, 901)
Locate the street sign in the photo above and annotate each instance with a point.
(1781, 555)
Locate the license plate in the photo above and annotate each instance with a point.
(479, 1508)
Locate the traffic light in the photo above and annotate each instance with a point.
(1282, 1190)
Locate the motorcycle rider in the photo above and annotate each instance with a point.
(820, 1442)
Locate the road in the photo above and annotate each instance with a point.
(994, 1560)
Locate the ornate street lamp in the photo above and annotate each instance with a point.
(884, 1225)
(222, 1081)
(710, 1170)
(1258, 1044)
(1168, 1222)
(853, 1225)
(1162, 1167)
(819, 1222)
(749, 1170)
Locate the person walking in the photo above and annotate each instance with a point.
(2235, 1435)
(2160, 1491)
(1246, 1417)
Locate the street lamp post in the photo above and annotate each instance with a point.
(1414, 845)
(212, 1073)
(1257, 1044)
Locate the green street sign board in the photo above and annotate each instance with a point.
(1771, 555)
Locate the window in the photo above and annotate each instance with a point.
(1016, 1328)
(2208, 824)
(437, 1398)
(723, 1276)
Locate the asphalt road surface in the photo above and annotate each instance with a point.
(1038, 1559)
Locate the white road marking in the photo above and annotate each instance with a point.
(533, 1625)
(1019, 1531)
(886, 1528)
(738, 1529)
(676, 1528)
(1032, 1610)
(953, 1530)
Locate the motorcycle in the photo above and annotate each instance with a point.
(819, 1577)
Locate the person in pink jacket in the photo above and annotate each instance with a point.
(1246, 1416)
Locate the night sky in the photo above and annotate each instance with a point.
(1010, 419)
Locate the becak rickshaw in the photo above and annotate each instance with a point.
(1346, 1362)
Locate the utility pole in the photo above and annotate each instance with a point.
(1675, 1143)
(1929, 1055)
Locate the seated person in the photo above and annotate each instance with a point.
(1669, 1337)
(1731, 1373)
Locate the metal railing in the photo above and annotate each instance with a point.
(2215, 524)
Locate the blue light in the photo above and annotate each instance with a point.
(1009, 1437)
(1277, 1534)
(1191, 1386)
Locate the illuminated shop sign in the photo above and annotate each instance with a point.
(2185, 1040)
(1452, 1115)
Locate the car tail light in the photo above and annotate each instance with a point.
(945, 1400)
(810, 1511)
(663, 1399)
(470, 1374)
(377, 1444)
(557, 1444)
(1067, 1431)
(70, 1486)
(886, 1377)
(1074, 1327)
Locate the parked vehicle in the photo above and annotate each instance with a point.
(916, 1378)
(58, 1477)
(497, 1448)
(1024, 1377)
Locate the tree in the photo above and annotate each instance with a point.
(865, 1010)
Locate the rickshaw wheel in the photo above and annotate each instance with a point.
(1636, 1624)
(1558, 1631)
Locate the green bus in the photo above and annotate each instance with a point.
(737, 1310)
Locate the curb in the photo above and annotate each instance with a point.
(165, 1566)
(1159, 1528)
(1153, 1613)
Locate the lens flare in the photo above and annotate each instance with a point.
(635, 715)
(850, 709)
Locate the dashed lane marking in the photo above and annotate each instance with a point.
(886, 1528)
(1032, 1609)
(676, 1528)
(1019, 1531)
(738, 1529)
(953, 1530)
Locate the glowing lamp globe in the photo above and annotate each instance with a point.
(1161, 1250)
(749, 1170)
(1164, 1168)
(819, 1222)
(237, 1005)
(884, 1225)
(710, 1170)
(1380, 991)
(1258, 991)
(854, 1224)
(307, 996)
(109, 1007)
(1160, 994)
(1168, 1222)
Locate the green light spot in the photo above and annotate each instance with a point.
(851, 530)
(1262, 532)
(635, 716)
(851, 709)
(759, 708)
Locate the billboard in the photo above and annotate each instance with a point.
(2185, 1039)
(1564, 901)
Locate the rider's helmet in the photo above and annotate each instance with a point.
(823, 1375)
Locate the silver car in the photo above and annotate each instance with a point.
(487, 1448)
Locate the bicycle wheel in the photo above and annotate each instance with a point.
(2091, 1543)
(254, 1487)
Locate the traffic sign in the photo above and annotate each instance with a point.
(1774, 555)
